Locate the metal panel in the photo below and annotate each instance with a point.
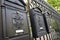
(37, 23)
(0, 22)
(13, 22)
(16, 22)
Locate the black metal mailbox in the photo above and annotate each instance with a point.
(37, 23)
(14, 21)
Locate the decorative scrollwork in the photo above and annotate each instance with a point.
(18, 20)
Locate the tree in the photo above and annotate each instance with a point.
(55, 4)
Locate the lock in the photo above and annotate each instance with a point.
(37, 23)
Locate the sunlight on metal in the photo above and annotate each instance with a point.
(26, 1)
(45, 0)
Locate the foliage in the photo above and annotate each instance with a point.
(54, 24)
(55, 4)
(56, 39)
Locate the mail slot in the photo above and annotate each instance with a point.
(14, 21)
(37, 22)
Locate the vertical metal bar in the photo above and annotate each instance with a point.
(47, 37)
(40, 38)
(35, 38)
(44, 37)
(50, 36)
(28, 9)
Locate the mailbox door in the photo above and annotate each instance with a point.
(16, 22)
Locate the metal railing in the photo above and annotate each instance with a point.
(51, 11)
